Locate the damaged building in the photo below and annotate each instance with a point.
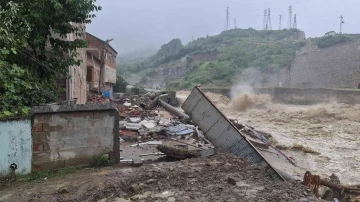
(97, 61)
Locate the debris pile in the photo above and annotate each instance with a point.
(93, 98)
(154, 125)
(334, 192)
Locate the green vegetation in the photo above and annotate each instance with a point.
(226, 56)
(31, 56)
(38, 175)
(120, 86)
(102, 161)
(237, 51)
(331, 40)
(224, 59)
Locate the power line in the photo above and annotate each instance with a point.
(280, 19)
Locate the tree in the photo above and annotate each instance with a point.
(120, 85)
(34, 49)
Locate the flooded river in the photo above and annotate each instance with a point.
(328, 133)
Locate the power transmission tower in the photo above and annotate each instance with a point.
(341, 23)
(290, 18)
(269, 26)
(280, 19)
(265, 20)
(227, 20)
(235, 26)
(295, 22)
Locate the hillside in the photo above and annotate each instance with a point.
(222, 60)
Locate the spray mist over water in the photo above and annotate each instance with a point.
(243, 97)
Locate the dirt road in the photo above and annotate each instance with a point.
(221, 178)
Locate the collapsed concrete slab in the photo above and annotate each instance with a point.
(222, 133)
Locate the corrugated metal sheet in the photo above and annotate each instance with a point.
(221, 132)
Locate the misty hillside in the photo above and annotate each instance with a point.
(136, 56)
(224, 59)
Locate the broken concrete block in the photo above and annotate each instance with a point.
(122, 124)
(133, 126)
(127, 104)
(164, 121)
(148, 125)
(135, 119)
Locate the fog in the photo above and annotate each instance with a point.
(139, 24)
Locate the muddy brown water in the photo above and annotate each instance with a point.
(331, 129)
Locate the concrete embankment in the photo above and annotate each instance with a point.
(302, 95)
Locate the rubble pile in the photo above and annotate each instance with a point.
(149, 121)
(93, 98)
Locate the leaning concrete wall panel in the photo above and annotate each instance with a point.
(219, 130)
(15, 146)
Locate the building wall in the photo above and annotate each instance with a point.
(96, 46)
(110, 57)
(94, 64)
(15, 146)
(71, 135)
(110, 75)
(79, 78)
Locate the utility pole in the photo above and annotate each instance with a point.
(227, 20)
(235, 26)
(341, 23)
(269, 20)
(265, 20)
(103, 55)
(290, 18)
(295, 22)
(280, 19)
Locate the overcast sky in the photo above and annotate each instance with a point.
(137, 24)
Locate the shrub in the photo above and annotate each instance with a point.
(102, 161)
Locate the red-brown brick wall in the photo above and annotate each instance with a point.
(96, 43)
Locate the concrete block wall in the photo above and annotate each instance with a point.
(15, 145)
(334, 67)
(71, 135)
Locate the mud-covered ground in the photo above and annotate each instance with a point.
(220, 178)
(330, 132)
